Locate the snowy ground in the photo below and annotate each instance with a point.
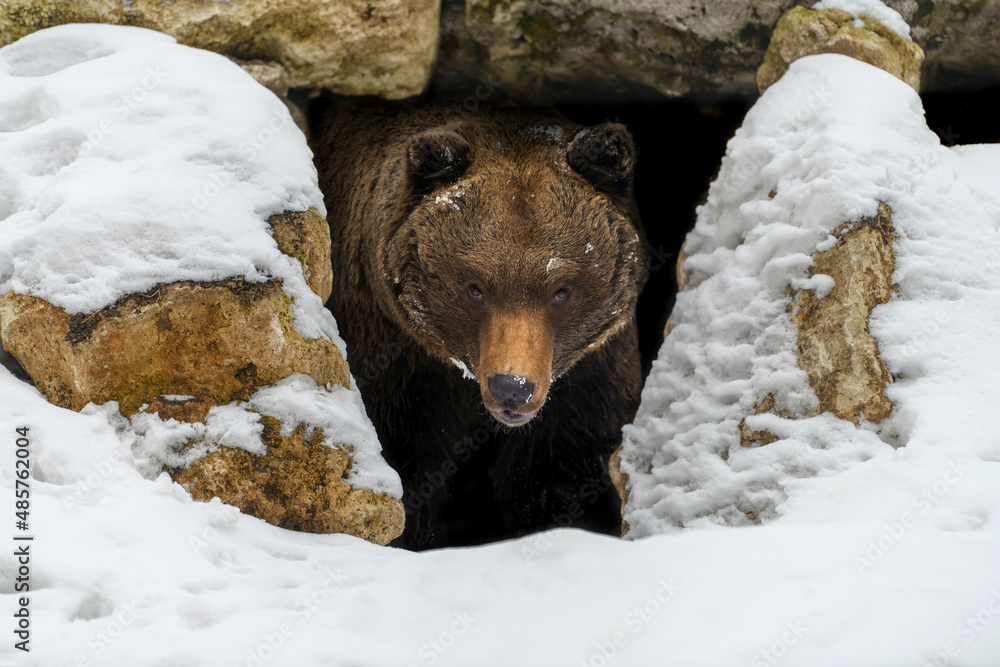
(130, 571)
(883, 547)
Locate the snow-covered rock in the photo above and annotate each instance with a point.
(875, 9)
(164, 251)
(834, 141)
(875, 34)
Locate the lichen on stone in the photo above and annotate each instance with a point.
(835, 348)
(803, 32)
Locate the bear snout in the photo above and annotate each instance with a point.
(515, 364)
(511, 391)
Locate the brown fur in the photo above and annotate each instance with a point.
(426, 205)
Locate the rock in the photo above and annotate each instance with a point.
(599, 50)
(271, 75)
(751, 438)
(211, 343)
(298, 484)
(167, 296)
(380, 47)
(576, 50)
(219, 341)
(275, 78)
(771, 376)
(305, 236)
(959, 40)
(804, 32)
(835, 348)
(620, 481)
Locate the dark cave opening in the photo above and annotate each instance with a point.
(680, 145)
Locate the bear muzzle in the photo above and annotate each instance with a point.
(512, 392)
(515, 365)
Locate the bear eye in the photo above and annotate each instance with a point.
(560, 296)
(476, 294)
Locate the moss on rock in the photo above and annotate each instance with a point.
(804, 32)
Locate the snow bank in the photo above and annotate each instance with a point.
(127, 160)
(130, 571)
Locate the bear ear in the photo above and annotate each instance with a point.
(604, 155)
(435, 157)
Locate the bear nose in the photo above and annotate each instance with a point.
(512, 391)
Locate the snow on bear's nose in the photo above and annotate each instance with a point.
(511, 391)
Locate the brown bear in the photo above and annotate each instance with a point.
(486, 271)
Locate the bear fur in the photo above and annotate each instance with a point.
(486, 270)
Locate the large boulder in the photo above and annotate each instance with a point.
(376, 47)
(959, 39)
(771, 374)
(536, 50)
(546, 51)
(165, 254)
(219, 340)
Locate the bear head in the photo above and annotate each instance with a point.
(513, 248)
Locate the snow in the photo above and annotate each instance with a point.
(294, 401)
(466, 373)
(836, 138)
(554, 132)
(832, 139)
(450, 196)
(872, 8)
(878, 547)
(340, 412)
(127, 160)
